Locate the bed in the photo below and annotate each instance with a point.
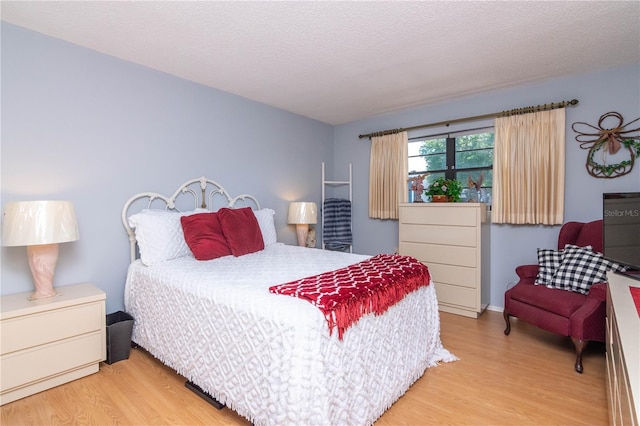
(272, 358)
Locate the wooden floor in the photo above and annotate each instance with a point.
(526, 378)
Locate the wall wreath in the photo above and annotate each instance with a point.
(605, 142)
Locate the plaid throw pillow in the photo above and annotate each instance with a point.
(548, 262)
(580, 268)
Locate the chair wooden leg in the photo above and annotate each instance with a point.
(580, 345)
(506, 319)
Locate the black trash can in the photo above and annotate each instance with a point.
(119, 329)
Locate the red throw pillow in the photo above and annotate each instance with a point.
(204, 236)
(241, 230)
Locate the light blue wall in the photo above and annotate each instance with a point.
(93, 129)
(598, 93)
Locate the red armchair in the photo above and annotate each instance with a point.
(563, 312)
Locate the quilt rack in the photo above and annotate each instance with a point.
(336, 183)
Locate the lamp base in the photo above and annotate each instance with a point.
(302, 230)
(42, 261)
(37, 296)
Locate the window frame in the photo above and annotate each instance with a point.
(451, 170)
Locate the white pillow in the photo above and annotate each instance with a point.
(159, 235)
(267, 227)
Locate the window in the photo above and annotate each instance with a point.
(463, 156)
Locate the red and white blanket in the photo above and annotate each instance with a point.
(370, 286)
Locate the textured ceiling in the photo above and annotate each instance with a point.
(339, 61)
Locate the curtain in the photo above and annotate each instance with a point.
(388, 172)
(528, 168)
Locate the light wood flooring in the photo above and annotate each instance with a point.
(526, 378)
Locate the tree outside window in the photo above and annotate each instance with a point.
(465, 157)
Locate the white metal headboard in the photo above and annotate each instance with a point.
(208, 195)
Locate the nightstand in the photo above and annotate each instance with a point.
(47, 342)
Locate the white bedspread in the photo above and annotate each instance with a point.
(270, 357)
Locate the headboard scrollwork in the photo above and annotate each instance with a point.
(198, 193)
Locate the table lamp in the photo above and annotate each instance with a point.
(302, 214)
(41, 226)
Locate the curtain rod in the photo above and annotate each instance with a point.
(517, 111)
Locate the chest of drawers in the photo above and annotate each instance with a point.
(48, 342)
(452, 239)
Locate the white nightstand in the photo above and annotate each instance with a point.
(48, 342)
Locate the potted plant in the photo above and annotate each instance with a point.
(442, 189)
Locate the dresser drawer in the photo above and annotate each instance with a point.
(444, 235)
(448, 255)
(456, 275)
(439, 215)
(457, 296)
(41, 362)
(49, 326)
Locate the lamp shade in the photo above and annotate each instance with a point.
(28, 223)
(303, 213)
